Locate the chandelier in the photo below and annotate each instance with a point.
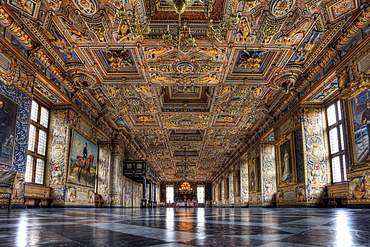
(185, 186)
(185, 173)
(182, 40)
(181, 5)
(132, 25)
(183, 37)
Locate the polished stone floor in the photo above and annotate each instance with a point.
(180, 227)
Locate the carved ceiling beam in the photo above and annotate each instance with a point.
(40, 76)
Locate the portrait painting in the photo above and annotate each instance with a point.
(361, 125)
(8, 119)
(83, 161)
(286, 173)
(253, 176)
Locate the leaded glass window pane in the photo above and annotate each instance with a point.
(44, 118)
(42, 142)
(32, 138)
(40, 171)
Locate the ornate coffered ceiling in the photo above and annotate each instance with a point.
(204, 81)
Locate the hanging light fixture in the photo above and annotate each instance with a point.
(185, 186)
(185, 173)
(182, 39)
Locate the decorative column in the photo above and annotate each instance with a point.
(215, 192)
(222, 193)
(244, 180)
(116, 174)
(154, 195)
(150, 202)
(268, 174)
(104, 171)
(315, 151)
(231, 189)
(144, 199)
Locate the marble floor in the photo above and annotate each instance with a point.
(179, 227)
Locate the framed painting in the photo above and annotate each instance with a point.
(8, 119)
(360, 105)
(83, 161)
(286, 169)
(253, 176)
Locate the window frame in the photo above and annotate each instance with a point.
(173, 193)
(204, 193)
(35, 153)
(339, 126)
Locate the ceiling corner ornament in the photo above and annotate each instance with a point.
(286, 82)
(83, 80)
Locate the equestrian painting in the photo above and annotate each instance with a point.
(83, 161)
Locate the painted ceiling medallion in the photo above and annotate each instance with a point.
(184, 67)
(280, 8)
(87, 7)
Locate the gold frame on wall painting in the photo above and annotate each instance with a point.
(287, 173)
(358, 110)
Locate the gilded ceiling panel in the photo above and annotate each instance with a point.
(199, 77)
